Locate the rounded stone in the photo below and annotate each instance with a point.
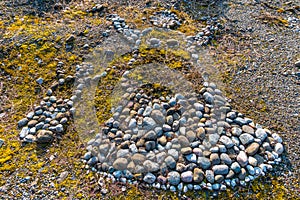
(248, 129)
(236, 131)
(242, 158)
(261, 134)
(44, 136)
(173, 178)
(170, 161)
(226, 159)
(204, 162)
(198, 175)
(209, 174)
(226, 141)
(214, 159)
(151, 166)
(190, 135)
(252, 161)
(252, 148)
(120, 164)
(279, 148)
(187, 176)
(246, 138)
(186, 150)
(220, 169)
(236, 167)
(183, 141)
(149, 178)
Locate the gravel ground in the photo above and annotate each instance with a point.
(255, 55)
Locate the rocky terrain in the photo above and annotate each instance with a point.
(156, 99)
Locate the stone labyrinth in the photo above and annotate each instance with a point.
(182, 140)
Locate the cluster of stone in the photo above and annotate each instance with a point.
(48, 120)
(165, 19)
(206, 34)
(179, 143)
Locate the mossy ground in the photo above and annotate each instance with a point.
(26, 40)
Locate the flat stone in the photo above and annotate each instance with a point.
(186, 150)
(30, 115)
(32, 123)
(199, 106)
(160, 157)
(187, 176)
(242, 158)
(138, 158)
(173, 178)
(180, 167)
(132, 123)
(150, 145)
(231, 115)
(149, 178)
(169, 120)
(220, 169)
(248, 129)
(161, 179)
(154, 42)
(226, 141)
(120, 163)
(246, 138)
(147, 111)
(204, 162)
(252, 149)
(250, 169)
(240, 121)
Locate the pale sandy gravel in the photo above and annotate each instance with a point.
(272, 52)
